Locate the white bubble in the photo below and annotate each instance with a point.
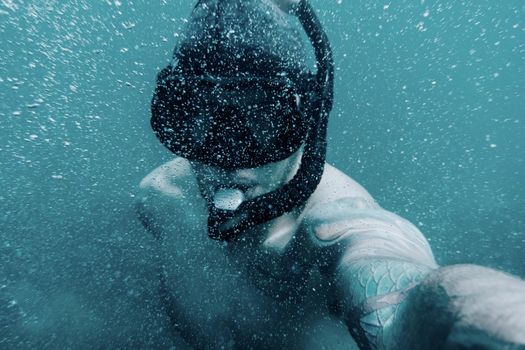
(421, 26)
(128, 25)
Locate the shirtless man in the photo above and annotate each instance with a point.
(263, 245)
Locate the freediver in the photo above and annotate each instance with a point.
(264, 245)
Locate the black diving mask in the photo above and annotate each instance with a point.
(231, 122)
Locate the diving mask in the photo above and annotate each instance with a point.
(229, 122)
(200, 113)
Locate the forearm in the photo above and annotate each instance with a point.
(374, 258)
(461, 305)
(372, 297)
(391, 293)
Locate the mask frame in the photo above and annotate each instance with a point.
(266, 118)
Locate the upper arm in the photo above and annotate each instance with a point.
(372, 257)
(360, 230)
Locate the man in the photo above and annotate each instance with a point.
(265, 246)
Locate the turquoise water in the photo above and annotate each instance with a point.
(429, 117)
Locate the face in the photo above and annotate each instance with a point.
(253, 182)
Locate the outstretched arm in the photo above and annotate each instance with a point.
(463, 307)
(392, 294)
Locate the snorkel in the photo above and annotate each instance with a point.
(297, 191)
(225, 221)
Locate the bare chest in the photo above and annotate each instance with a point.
(244, 295)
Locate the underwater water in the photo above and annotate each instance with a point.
(428, 116)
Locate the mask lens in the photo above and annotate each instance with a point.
(267, 109)
(236, 122)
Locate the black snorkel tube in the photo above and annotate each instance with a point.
(297, 191)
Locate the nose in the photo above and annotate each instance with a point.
(241, 178)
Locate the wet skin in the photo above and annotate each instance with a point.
(272, 287)
(336, 271)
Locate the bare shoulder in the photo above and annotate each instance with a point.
(342, 212)
(172, 179)
(336, 186)
(169, 198)
(337, 199)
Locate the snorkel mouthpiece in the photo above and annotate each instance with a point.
(228, 199)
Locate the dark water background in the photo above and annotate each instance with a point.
(429, 117)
